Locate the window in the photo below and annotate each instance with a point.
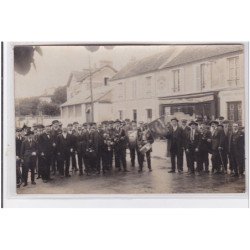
(134, 114)
(233, 71)
(106, 81)
(149, 115)
(134, 90)
(176, 79)
(120, 90)
(203, 81)
(148, 86)
(120, 114)
(78, 109)
(234, 111)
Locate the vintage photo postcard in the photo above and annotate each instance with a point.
(129, 119)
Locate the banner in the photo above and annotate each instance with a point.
(159, 127)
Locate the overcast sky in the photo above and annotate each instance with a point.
(54, 66)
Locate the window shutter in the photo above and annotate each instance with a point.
(198, 77)
(182, 86)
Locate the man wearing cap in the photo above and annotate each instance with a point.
(100, 153)
(192, 146)
(237, 150)
(110, 141)
(131, 139)
(45, 151)
(19, 140)
(144, 137)
(120, 147)
(72, 155)
(217, 143)
(28, 155)
(92, 149)
(55, 131)
(227, 131)
(186, 130)
(40, 128)
(204, 148)
(221, 119)
(175, 136)
(198, 122)
(75, 128)
(63, 150)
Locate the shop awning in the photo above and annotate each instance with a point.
(188, 99)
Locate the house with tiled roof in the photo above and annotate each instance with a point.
(193, 79)
(78, 104)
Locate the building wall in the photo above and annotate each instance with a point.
(97, 81)
(135, 93)
(70, 114)
(206, 75)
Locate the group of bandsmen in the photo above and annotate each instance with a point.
(90, 148)
(200, 139)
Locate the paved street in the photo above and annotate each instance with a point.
(159, 181)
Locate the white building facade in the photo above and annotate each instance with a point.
(195, 80)
(78, 105)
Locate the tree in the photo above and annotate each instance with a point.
(50, 109)
(60, 95)
(27, 106)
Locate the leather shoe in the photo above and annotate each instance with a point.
(33, 183)
(171, 171)
(25, 184)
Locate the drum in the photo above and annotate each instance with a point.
(132, 137)
(145, 148)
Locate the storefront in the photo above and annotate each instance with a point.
(191, 104)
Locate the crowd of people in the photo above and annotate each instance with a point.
(92, 148)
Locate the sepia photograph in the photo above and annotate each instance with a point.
(115, 119)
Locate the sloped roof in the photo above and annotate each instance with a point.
(101, 94)
(80, 76)
(199, 52)
(173, 56)
(145, 65)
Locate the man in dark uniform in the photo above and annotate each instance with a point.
(192, 147)
(144, 137)
(28, 155)
(72, 134)
(55, 131)
(175, 136)
(84, 140)
(120, 147)
(227, 131)
(75, 127)
(63, 149)
(131, 140)
(100, 156)
(237, 150)
(217, 146)
(92, 149)
(204, 148)
(40, 128)
(110, 143)
(186, 130)
(45, 150)
(19, 140)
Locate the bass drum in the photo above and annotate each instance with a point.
(132, 137)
